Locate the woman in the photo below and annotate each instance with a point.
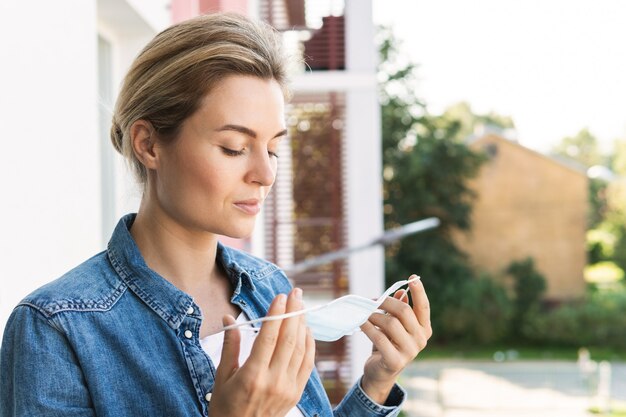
(135, 330)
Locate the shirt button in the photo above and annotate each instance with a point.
(188, 334)
(190, 310)
(208, 396)
(243, 303)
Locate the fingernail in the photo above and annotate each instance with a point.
(298, 293)
(281, 299)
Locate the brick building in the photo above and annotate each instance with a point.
(529, 205)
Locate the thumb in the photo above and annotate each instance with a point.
(229, 361)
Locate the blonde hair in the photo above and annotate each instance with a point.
(168, 79)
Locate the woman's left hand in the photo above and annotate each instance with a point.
(397, 337)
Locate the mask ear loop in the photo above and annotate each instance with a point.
(393, 289)
(242, 326)
(396, 287)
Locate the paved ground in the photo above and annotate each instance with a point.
(508, 389)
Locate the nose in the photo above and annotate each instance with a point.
(262, 169)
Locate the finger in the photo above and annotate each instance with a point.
(308, 360)
(421, 305)
(300, 348)
(402, 295)
(288, 336)
(229, 361)
(395, 332)
(383, 345)
(265, 342)
(403, 312)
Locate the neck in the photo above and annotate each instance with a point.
(180, 254)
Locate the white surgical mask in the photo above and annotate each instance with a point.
(340, 317)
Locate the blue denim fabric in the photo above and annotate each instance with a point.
(108, 339)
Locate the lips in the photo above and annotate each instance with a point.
(251, 207)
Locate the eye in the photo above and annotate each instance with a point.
(232, 152)
(273, 154)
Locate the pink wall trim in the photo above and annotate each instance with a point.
(237, 6)
(186, 9)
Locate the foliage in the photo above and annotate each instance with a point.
(600, 245)
(619, 249)
(618, 410)
(583, 148)
(618, 157)
(597, 202)
(483, 314)
(528, 287)
(603, 273)
(474, 124)
(598, 320)
(518, 351)
(607, 240)
(425, 169)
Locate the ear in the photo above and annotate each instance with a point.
(143, 141)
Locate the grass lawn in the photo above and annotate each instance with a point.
(511, 352)
(618, 409)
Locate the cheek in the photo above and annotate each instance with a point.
(207, 176)
(187, 176)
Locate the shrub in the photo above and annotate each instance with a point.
(600, 245)
(481, 316)
(528, 286)
(598, 320)
(603, 273)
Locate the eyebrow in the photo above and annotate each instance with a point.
(246, 131)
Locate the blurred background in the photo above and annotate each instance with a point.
(503, 119)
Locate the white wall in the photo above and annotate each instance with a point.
(49, 160)
(51, 215)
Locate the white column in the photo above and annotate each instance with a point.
(363, 166)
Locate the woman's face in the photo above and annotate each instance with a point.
(216, 174)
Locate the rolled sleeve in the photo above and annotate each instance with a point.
(358, 403)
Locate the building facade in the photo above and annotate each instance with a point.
(529, 205)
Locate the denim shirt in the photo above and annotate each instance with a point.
(112, 338)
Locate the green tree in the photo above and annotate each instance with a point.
(472, 124)
(425, 171)
(618, 158)
(598, 204)
(528, 288)
(583, 148)
(608, 211)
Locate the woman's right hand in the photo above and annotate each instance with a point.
(271, 381)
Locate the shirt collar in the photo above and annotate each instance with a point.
(238, 276)
(165, 299)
